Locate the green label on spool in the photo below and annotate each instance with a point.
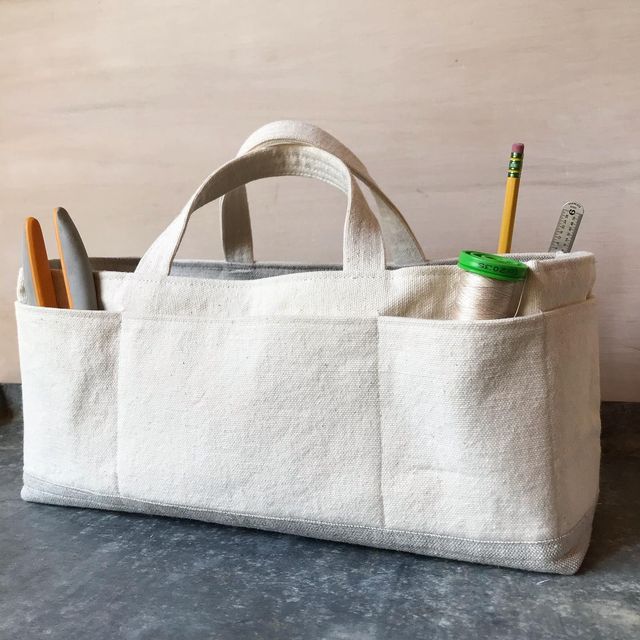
(492, 266)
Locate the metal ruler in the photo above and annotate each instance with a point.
(567, 227)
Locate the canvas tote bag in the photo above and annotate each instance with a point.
(325, 401)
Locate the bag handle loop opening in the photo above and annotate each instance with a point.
(363, 249)
(235, 219)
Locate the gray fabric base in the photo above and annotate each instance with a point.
(562, 555)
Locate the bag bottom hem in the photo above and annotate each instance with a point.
(563, 555)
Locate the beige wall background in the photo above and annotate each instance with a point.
(117, 110)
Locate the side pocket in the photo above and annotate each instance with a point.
(466, 429)
(68, 361)
(574, 386)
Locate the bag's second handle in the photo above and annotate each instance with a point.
(363, 249)
(237, 240)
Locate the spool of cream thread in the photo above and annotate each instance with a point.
(490, 286)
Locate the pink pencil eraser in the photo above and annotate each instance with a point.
(517, 147)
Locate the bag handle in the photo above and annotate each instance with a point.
(237, 240)
(363, 249)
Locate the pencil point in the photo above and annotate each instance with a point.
(517, 147)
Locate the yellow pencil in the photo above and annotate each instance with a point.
(511, 197)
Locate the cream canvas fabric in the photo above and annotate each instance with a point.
(339, 403)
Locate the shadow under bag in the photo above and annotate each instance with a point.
(337, 403)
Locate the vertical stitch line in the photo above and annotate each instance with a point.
(380, 434)
(117, 385)
(550, 426)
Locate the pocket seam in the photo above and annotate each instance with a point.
(380, 433)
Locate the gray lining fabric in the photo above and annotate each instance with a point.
(220, 270)
(561, 555)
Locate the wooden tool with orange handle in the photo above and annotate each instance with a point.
(37, 274)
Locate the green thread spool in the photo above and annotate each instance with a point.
(490, 286)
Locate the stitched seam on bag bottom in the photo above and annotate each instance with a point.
(463, 555)
(302, 520)
(324, 523)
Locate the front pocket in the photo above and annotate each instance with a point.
(466, 434)
(272, 417)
